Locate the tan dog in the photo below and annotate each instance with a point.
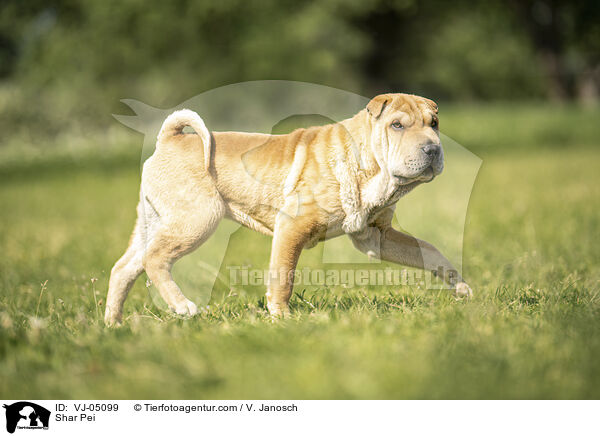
(300, 188)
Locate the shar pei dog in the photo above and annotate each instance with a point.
(300, 188)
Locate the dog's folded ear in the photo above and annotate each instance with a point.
(377, 105)
(431, 104)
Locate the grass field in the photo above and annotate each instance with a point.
(531, 254)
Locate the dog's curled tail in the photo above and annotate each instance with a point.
(175, 123)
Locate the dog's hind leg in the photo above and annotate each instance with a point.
(127, 269)
(176, 237)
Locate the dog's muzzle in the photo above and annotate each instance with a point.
(432, 150)
(422, 166)
(435, 154)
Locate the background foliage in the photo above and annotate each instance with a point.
(65, 62)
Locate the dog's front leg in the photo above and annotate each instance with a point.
(289, 237)
(402, 248)
(394, 246)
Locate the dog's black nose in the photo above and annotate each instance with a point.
(431, 149)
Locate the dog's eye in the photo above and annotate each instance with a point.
(434, 123)
(396, 125)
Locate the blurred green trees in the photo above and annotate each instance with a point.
(73, 60)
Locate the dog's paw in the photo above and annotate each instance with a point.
(463, 290)
(112, 317)
(186, 308)
(278, 311)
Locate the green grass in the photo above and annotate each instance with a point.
(532, 330)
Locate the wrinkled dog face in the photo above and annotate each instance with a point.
(405, 136)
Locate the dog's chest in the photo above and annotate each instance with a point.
(330, 229)
(385, 200)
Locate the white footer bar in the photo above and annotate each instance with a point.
(299, 417)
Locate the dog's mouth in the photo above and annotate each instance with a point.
(427, 175)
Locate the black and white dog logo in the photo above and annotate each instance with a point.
(26, 415)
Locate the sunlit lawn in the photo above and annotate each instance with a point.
(532, 330)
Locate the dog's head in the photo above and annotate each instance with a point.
(405, 137)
